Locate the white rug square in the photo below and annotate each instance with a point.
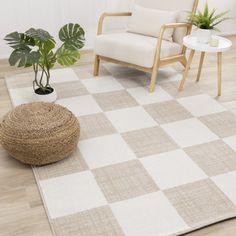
(227, 184)
(19, 80)
(231, 141)
(143, 96)
(72, 193)
(102, 84)
(133, 80)
(130, 119)
(168, 74)
(149, 215)
(81, 105)
(201, 105)
(63, 75)
(171, 169)
(189, 132)
(21, 95)
(105, 150)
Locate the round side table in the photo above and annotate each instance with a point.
(191, 43)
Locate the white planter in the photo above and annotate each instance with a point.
(51, 97)
(204, 35)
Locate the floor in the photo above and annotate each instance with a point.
(22, 212)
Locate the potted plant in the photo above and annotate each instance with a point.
(206, 22)
(35, 48)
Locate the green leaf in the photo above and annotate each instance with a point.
(206, 10)
(48, 45)
(67, 57)
(212, 14)
(19, 40)
(47, 60)
(39, 34)
(33, 58)
(23, 58)
(220, 21)
(51, 60)
(218, 16)
(72, 35)
(200, 14)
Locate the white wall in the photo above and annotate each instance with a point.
(19, 15)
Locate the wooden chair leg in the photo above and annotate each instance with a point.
(184, 62)
(96, 66)
(153, 79)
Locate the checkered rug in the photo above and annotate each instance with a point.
(155, 164)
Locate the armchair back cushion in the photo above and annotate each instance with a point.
(179, 6)
(147, 21)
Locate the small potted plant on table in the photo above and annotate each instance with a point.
(35, 48)
(206, 22)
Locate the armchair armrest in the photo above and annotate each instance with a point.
(109, 14)
(177, 25)
(161, 34)
(174, 25)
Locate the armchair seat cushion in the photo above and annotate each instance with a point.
(133, 48)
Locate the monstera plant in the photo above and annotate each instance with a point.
(36, 48)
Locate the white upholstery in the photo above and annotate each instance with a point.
(149, 21)
(167, 5)
(133, 48)
(180, 6)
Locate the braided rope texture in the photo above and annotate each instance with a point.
(39, 133)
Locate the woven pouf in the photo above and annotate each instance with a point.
(39, 133)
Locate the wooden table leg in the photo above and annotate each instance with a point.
(200, 66)
(96, 65)
(219, 68)
(186, 69)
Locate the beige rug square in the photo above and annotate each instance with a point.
(156, 164)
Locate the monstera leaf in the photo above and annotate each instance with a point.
(23, 58)
(67, 57)
(19, 40)
(38, 34)
(47, 60)
(72, 35)
(47, 46)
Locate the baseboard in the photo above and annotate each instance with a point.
(228, 33)
(86, 57)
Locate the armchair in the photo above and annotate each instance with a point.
(143, 52)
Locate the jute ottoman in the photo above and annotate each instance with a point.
(39, 133)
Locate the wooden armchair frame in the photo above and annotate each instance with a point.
(158, 61)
